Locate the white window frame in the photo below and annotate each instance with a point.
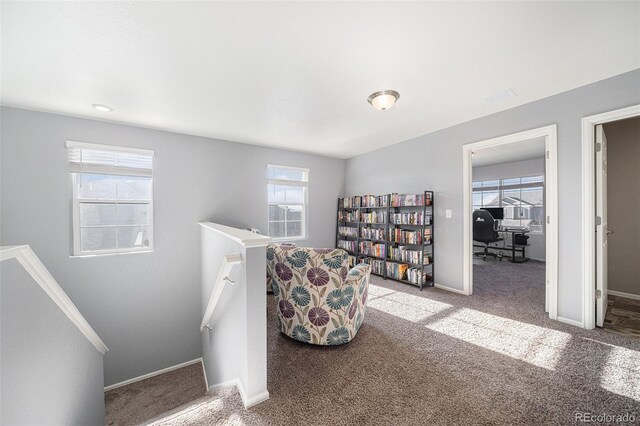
(76, 202)
(305, 201)
(500, 188)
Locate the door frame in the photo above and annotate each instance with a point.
(589, 207)
(551, 208)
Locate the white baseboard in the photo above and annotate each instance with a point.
(623, 294)
(570, 321)
(155, 373)
(256, 399)
(248, 402)
(454, 290)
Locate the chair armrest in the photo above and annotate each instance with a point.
(357, 273)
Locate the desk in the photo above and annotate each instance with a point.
(513, 248)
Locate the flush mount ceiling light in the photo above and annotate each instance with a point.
(384, 99)
(101, 107)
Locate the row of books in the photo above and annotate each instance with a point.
(372, 249)
(353, 261)
(402, 200)
(399, 235)
(402, 254)
(349, 202)
(375, 201)
(373, 233)
(410, 218)
(349, 216)
(397, 270)
(349, 231)
(396, 235)
(397, 254)
(373, 217)
(397, 200)
(348, 245)
(415, 276)
(377, 265)
(402, 271)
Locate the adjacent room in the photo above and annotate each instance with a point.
(508, 190)
(621, 141)
(319, 213)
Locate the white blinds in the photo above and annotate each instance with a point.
(109, 160)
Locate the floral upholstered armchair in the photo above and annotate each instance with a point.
(319, 300)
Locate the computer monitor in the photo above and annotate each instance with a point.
(496, 212)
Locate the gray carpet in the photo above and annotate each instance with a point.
(435, 357)
(138, 402)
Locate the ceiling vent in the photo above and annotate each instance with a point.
(500, 96)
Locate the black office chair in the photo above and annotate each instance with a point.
(485, 232)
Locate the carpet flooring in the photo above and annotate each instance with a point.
(435, 357)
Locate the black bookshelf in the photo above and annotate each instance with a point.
(394, 233)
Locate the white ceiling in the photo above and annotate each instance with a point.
(516, 151)
(297, 75)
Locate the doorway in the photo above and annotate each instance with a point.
(548, 136)
(597, 232)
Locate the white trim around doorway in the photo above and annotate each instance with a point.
(551, 208)
(588, 207)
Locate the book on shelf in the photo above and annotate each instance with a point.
(377, 265)
(397, 270)
(427, 236)
(416, 276)
(348, 231)
(402, 254)
(373, 217)
(399, 235)
(409, 218)
(349, 216)
(375, 201)
(372, 249)
(373, 233)
(348, 245)
(349, 202)
(353, 261)
(407, 200)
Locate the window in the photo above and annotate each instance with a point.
(287, 198)
(521, 198)
(112, 198)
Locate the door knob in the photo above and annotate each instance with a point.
(609, 232)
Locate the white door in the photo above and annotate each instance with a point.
(601, 225)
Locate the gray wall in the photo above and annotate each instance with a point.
(514, 169)
(51, 373)
(434, 161)
(145, 306)
(623, 202)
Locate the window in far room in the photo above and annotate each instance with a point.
(112, 199)
(287, 200)
(521, 198)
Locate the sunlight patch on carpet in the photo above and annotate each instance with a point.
(621, 373)
(192, 413)
(530, 343)
(403, 305)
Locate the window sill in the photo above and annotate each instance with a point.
(80, 256)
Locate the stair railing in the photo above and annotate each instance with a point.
(230, 260)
